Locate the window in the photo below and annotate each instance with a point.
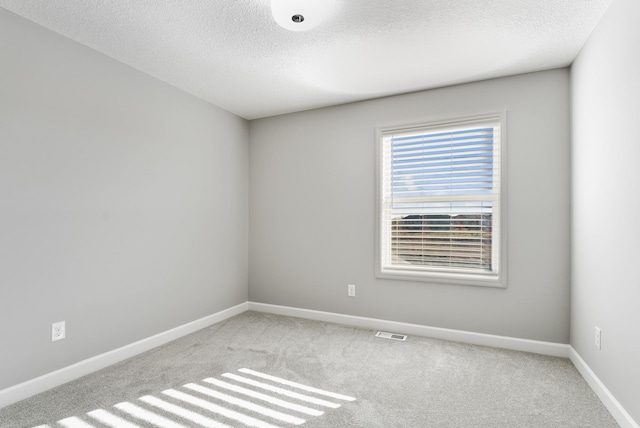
(441, 205)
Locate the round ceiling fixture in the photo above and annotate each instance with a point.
(299, 15)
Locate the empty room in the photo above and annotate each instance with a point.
(278, 213)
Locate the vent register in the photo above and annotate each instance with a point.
(392, 336)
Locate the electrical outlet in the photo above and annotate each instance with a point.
(598, 338)
(351, 290)
(58, 331)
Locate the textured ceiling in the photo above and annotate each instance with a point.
(232, 53)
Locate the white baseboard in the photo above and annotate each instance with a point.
(43, 383)
(618, 412)
(537, 347)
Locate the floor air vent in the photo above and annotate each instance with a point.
(393, 336)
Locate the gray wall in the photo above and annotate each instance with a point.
(606, 202)
(123, 203)
(312, 211)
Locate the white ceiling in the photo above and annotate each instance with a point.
(232, 53)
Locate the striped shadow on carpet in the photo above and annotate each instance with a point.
(251, 398)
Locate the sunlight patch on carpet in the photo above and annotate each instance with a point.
(255, 399)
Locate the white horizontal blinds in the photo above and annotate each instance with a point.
(441, 192)
(443, 163)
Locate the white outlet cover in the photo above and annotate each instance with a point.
(58, 331)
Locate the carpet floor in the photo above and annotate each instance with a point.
(266, 371)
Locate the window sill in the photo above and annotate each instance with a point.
(480, 280)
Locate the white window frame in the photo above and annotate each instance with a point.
(495, 278)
